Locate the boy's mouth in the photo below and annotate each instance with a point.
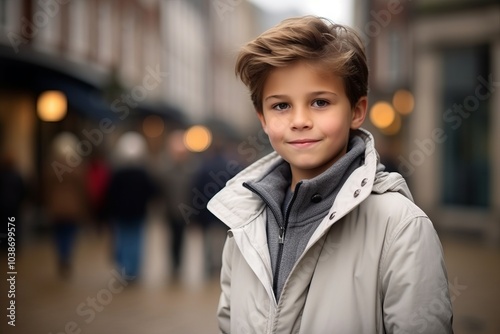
(301, 143)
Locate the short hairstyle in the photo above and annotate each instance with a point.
(308, 38)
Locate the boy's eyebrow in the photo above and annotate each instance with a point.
(323, 92)
(276, 97)
(282, 96)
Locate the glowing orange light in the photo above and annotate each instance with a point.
(403, 101)
(197, 138)
(382, 114)
(52, 106)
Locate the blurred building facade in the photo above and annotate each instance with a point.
(77, 48)
(447, 55)
(115, 63)
(457, 70)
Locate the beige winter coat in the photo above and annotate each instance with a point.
(374, 264)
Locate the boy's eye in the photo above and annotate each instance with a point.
(281, 106)
(320, 103)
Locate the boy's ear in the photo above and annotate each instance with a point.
(262, 120)
(359, 113)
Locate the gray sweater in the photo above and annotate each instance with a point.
(297, 215)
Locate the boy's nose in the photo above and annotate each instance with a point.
(300, 119)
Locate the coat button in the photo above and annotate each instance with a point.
(363, 183)
(316, 198)
(333, 215)
(356, 193)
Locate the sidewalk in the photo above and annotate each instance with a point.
(96, 300)
(474, 276)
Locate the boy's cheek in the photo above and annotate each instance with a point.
(275, 125)
(273, 137)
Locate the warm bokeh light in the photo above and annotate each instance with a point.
(197, 138)
(382, 114)
(52, 106)
(153, 126)
(394, 127)
(403, 101)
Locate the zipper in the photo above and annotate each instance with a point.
(281, 237)
(281, 240)
(278, 265)
(282, 227)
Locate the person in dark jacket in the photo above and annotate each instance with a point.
(176, 170)
(12, 194)
(130, 191)
(210, 178)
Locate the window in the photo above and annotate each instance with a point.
(466, 171)
(3, 13)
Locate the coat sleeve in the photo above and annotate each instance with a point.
(414, 281)
(224, 308)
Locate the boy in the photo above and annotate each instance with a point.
(321, 239)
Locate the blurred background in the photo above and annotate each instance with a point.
(120, 119)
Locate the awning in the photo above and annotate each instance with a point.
(37, 72)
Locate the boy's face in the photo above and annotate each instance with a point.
(307, 116)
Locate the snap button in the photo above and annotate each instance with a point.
(333, 215)
(363, 183)
(316, 198)
(356, 193)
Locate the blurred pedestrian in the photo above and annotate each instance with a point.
(12, 194)
(177, 171)
(65, 196)
(210, 177)
(131, 190)
(98, 175)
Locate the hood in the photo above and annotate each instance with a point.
(236, 206)
(391, 182)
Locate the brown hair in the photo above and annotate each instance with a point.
(308, 38)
